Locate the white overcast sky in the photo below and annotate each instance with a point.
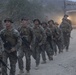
(72, 0)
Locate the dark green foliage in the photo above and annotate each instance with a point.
(19, 8)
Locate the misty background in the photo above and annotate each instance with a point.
(42, 9)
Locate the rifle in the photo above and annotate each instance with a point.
(49, 39)
(4, 64)
(26, 43)
(12, 54)
(8, 46)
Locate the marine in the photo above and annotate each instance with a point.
(11, 40)
(48, 47)
(66, 29)
(26, 36)
(39, 38)
(59, 38)
(53, 30)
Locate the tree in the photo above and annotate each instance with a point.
(19, 8)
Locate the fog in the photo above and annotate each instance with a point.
(42, 9)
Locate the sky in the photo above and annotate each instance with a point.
(72, 0)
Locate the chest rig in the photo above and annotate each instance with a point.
(10, 37)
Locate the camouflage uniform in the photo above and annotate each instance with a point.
(58, 39)
(10, 39)
(66, 29)
(1, 49)
(48, 45)
(26, 33)
(39, 38)
(1, 44)
(53, 30)
(1, 26)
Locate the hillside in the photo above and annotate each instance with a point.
(36, 8)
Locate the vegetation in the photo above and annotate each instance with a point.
(17, 9)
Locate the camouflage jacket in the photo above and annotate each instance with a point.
(26, 32)
(1, 47)
(65, 27)
(56, 32)
(39, 35)
(12, 37)
(48, 31)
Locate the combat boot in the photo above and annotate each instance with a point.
(44, 62)
(0, 71)
(21, 72)
(37, 67)
(66, 50)
(27, 73)
(51, 58)
(60, 51)
(55, 53)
